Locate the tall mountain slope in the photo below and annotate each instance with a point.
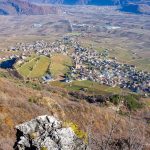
(30, 7)
(132, 6)
(90, 2)
(71, 2)
(12, 7)
(20, 103)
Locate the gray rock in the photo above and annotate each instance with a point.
(47, 133)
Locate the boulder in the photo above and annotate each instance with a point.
(47, 133)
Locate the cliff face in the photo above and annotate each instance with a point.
(13, 7)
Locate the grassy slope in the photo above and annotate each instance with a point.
(24, 70)
(59, 64)
(16, 108)
(121, 52)
(39, 66)
(91, 87)
(19, 103)
(142, 64)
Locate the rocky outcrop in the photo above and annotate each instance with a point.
(46, 133)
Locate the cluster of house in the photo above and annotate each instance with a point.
(43, 47)
(91, 65)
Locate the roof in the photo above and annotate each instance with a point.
(47, 77)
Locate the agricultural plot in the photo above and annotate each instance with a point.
(35, 67)
(40, 67)
(60, 65)
(27, 67)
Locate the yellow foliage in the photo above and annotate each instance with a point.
(79, 133)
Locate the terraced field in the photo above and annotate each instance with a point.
(34, 67)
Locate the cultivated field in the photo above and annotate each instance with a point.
(60, 65)
(35, 66)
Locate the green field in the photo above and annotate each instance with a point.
(91, 87)
(35, 66)
(41, 67)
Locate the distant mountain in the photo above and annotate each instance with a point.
(135, 6)
(89, 2)
(73, 2)
(132, 6)
(32, 7)
(13, 7)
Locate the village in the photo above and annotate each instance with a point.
(88, 64)
(91, 65)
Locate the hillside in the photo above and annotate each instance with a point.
(131, 6)
(74, 76)
(21, 102)
(91, 2)
(72, 2)
(32, 7)
(13, 7)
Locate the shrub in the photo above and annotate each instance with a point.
(4, 75)
(115, 99)
(37, 87)
(132, 102)
(33, 99)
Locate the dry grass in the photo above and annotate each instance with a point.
(59, 64)
(16, 108)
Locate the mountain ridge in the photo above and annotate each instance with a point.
(18, 7)
(36, 7)
(90, 2)
(131, 6)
